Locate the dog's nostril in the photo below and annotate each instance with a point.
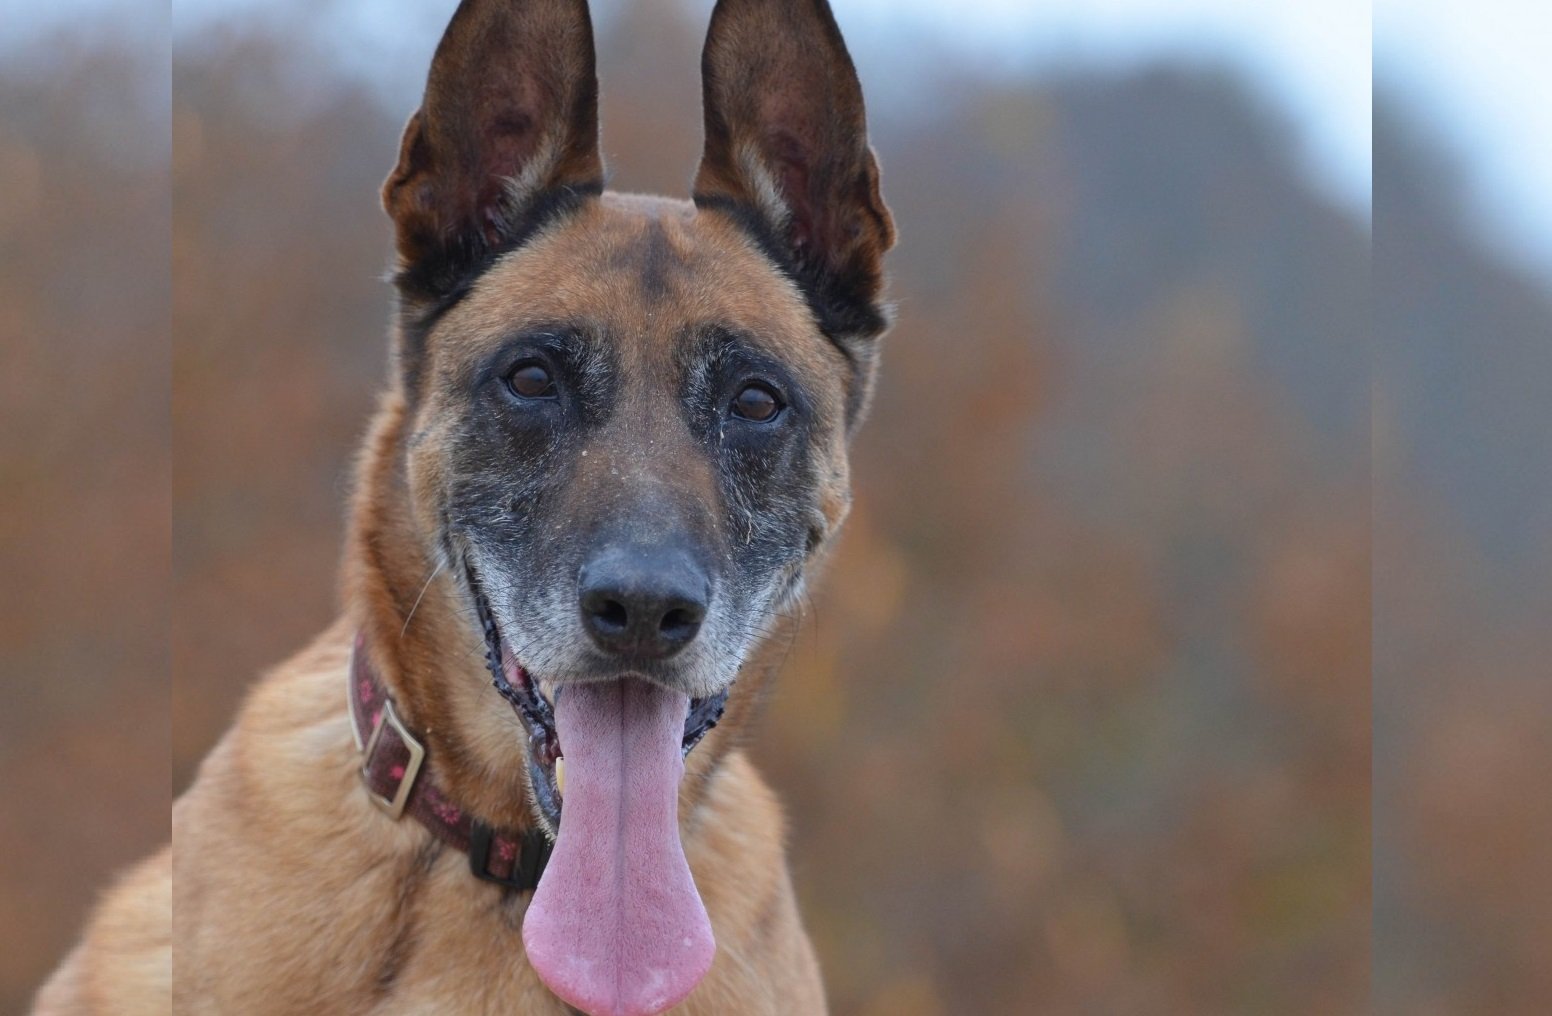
(680, 624)
(611, 615)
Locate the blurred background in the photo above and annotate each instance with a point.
(1084, 723)
(1462, 410)
(85, 470)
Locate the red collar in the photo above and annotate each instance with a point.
(391, 769)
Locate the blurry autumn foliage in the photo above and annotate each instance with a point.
(1081, 719)
(85, 467)
(1463, 597)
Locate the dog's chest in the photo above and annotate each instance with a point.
(457, 949)
(454, 992)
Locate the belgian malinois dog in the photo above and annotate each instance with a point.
(612, 451)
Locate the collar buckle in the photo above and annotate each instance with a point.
(416, 754)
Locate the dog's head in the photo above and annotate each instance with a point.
(630, 415)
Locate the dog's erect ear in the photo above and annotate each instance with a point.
(786, 142)
(507, 133)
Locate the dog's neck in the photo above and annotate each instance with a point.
(417, 632)
(392, 759)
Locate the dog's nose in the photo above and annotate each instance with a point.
(643, 604)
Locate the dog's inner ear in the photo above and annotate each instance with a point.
(508, 131)
(786, 141)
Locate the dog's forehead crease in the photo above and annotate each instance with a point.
(648, 272)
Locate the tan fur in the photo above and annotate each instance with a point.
(124, 964)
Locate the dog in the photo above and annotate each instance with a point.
(612, 452)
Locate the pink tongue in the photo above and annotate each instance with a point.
(616, 927)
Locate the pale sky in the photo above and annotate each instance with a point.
(1481, 73)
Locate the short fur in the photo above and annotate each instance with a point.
(285, 890)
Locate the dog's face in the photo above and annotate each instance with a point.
(631, 434)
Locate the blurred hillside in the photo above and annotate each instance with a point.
(1082, 720)
(1463, 591)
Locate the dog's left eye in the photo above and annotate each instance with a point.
(756, 403)
(531, 381)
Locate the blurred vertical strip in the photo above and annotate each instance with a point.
(1462, 568)
(85, 465)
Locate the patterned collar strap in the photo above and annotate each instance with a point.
(392, 768)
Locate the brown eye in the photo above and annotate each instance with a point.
(531, 381)
(757, 404)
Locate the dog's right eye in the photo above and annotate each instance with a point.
(531, 381)
(757, 404)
